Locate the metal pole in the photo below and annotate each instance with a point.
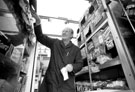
(33, 70)
(86, 51)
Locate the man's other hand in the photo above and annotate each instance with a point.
(69, 67)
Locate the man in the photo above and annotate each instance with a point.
(65, 60)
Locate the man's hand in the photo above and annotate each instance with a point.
(69, 67)
(37, 18)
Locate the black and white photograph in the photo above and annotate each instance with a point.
(67, 45)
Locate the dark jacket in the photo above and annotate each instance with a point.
(61, 55)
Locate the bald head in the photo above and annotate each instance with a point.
(67, 33)
(68, 29)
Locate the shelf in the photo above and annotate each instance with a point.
(83, 71)
(8, 26)
(110, 90)
(23, 72)
(110, 63)
(124, 23)
(104, 22)
(125, 19)
(82, 45)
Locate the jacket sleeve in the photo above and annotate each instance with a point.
(42, 38)
(78, 64)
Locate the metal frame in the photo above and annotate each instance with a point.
(86, 51)
(59, 18)
(124, 55)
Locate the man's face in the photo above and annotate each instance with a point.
(67, 33)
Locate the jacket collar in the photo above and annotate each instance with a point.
(70, 44)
